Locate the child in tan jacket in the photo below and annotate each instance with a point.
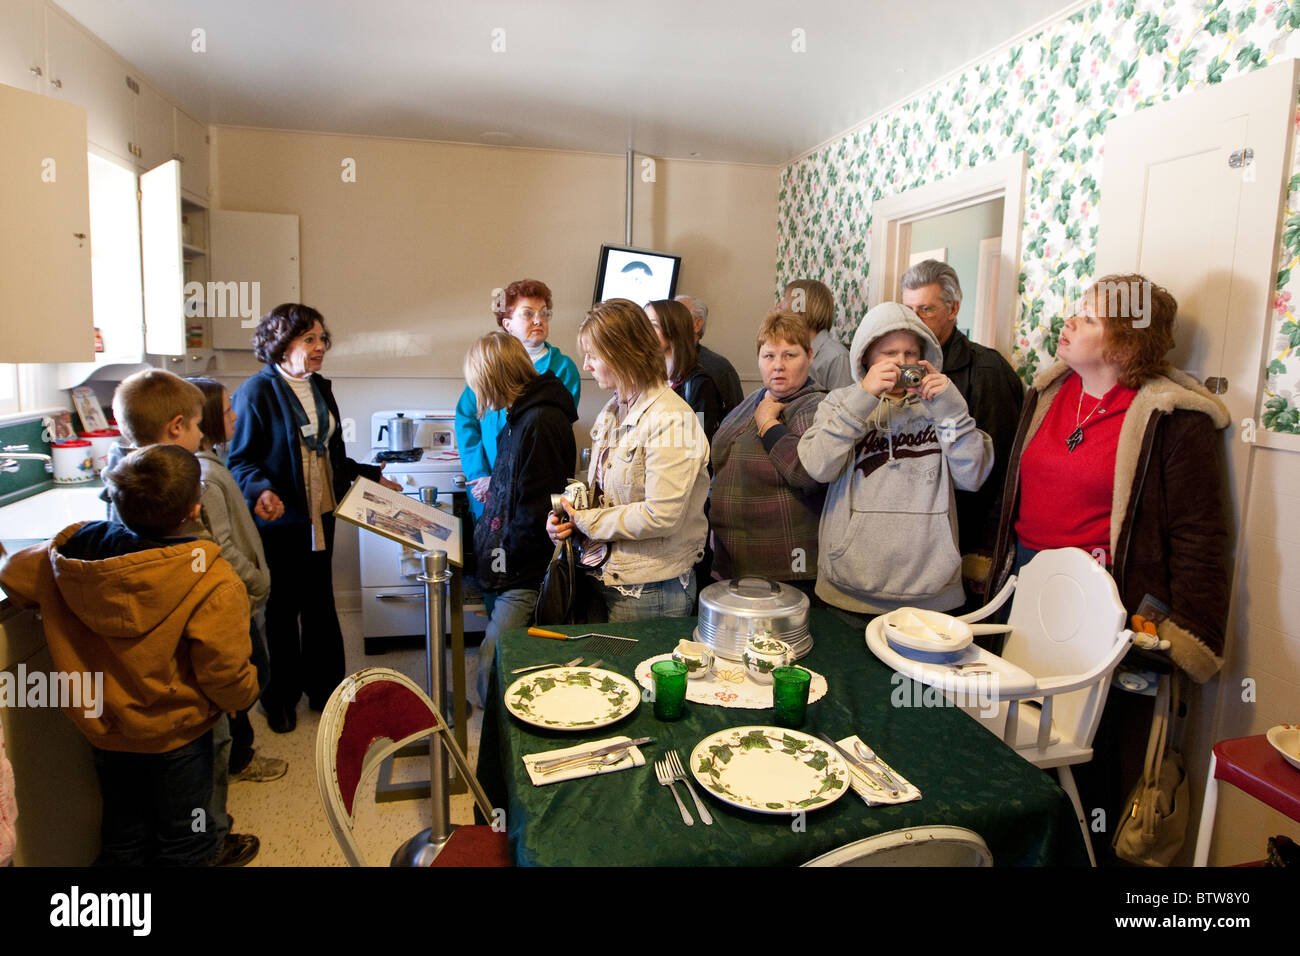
(164, 619)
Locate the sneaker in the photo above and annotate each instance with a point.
(239, 850)
(262, 769)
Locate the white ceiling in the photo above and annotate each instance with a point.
(717, 79)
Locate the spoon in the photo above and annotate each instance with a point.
(869, 755)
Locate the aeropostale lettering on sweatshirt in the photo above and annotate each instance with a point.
(74, 908)
(874, 449)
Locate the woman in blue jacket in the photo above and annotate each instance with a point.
(524, 312)
(287, 455)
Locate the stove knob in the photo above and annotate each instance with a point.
(410, 479)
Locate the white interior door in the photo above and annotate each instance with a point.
(1177, 209)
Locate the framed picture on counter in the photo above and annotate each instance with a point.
(406, 520)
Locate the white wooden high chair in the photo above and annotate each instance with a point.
(1066, 635)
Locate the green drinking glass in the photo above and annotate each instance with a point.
(670, 689)
(790, 687)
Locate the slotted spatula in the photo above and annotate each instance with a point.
(605, 644)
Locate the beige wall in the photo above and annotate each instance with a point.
(403, 262)
(1260, 684)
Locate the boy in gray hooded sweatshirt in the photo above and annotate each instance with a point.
(890, 455)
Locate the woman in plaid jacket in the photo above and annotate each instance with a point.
(765, 507)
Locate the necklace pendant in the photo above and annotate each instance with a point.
(1075, 438)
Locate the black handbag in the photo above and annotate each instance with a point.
(557, 596)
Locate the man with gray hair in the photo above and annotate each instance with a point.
(715, 366)
(993, 392)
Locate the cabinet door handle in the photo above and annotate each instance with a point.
(57, 84)
(36, 71)
(399, 597)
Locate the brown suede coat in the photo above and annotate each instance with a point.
(167, 627)
(1168, 524)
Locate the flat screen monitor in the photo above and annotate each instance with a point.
(642, 275)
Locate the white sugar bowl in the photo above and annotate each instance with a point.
(764, 654)
(697, 657)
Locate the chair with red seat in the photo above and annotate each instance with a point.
(369, 717)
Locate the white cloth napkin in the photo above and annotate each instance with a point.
(633, 758)
(872, 793)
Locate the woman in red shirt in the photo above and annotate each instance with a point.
(1119, 454)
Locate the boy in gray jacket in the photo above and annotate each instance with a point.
(891, 454)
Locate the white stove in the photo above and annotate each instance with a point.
(392, 598)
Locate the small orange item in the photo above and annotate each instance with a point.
(1149, 627)
(1139, 623)
(541, 632)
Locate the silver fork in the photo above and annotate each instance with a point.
(538, 667)
(665, 778)
(679, 773)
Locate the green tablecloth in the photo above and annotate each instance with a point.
(967, 777)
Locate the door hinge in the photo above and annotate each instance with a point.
(132, 85)
(1241, 157)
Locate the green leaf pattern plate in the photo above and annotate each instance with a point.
(572, 698)
(769, 769)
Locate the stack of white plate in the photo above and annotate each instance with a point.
(733, 611)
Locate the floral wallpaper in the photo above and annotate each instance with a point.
(1051, 96)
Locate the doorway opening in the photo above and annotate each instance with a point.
(972, 221)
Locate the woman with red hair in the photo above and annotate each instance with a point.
(523, 310)
(1119, 454)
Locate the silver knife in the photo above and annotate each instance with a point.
(552, 762)
(867, 772)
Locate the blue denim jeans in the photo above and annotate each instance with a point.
(218, 819)
(510, 609)
(658, 600)
(154, 805)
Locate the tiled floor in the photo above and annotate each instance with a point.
(286, 814)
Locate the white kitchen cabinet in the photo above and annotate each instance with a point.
(257, 252)
(152, 137)
(192, 150)
(45, 301)
(80, 70)
(22, 45)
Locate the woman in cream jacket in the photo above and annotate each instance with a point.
(649, 477)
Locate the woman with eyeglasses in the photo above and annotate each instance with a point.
(525, 312)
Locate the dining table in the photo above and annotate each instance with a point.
(967, 776)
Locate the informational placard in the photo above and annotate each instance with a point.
(403, 519)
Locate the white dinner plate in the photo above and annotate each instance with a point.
(572, 698)
(769, 769)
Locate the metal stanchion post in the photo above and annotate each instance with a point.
(421, 849)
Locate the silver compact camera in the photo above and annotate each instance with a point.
(910, 376)
(576, 493)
